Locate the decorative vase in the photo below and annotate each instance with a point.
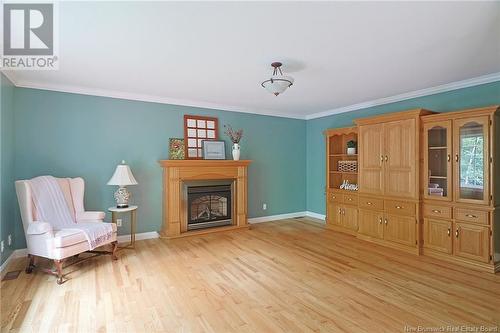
(236, 152)
(351, 151)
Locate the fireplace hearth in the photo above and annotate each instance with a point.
(209, 206)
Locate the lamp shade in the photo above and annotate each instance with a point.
(277, 84)
(122, 176)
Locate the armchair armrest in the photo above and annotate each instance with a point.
(39, 228)
(89, 216)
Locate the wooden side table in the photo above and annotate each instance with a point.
(133, 210)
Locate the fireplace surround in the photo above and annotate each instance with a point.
(180, 174)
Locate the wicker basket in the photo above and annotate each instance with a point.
(348, 166)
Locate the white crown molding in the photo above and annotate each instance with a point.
(172, 101)
(409, 95)
(149, 98)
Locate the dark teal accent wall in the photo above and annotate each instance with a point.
(482, 95)
(69, 135)
(7, 202)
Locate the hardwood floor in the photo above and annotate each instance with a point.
(284, 276)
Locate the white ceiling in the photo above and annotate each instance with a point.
(215, 54)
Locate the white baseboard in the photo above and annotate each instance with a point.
(141, 236)
(14, 255)
(275, 217)
(316, 216)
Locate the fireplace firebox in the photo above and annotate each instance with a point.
(208, 206)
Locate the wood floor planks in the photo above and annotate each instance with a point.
(284, 276)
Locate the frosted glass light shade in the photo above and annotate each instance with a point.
(277, 84)
(122, 176)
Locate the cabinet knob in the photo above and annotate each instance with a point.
(399, 207)
(386, 158)
(380, 220)
(381, 158)
(449, 157)
(369, 203)
(385, 221)
(471, 216)
(456, 157)
(349, 199)
(340, 211)
(449, 232)
(456, 233)
(436, 211)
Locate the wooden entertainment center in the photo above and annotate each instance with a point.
(426, 184)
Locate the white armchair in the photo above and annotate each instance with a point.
(43, 241)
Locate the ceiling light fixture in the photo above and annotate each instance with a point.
(278, 83)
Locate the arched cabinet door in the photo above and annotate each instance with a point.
(437, 151)
(471, 160)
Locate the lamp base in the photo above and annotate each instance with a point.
(122, 196)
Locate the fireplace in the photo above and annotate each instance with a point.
(209, 205)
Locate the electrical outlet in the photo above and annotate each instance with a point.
(9, 240)
(1, 246)
(264, 206)
(118, 222)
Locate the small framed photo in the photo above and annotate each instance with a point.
(214, 150)
(176, 150)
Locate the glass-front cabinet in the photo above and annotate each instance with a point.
(437, 159)
(456, 160)
(471, 160)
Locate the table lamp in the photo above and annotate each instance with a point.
(122, 177)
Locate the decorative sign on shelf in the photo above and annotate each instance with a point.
(196, 130)
(348, 186)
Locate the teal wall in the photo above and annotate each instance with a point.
(7, 200)
(69, 135)
(483, 95)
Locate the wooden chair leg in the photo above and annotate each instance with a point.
(115, 248)
(59, 269)
(31, 264)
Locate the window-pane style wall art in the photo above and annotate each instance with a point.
(197, 129)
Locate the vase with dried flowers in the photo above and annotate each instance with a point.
(235, 137)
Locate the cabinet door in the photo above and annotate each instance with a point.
(400, 229)
(371, 158)
(371, 223)
(350, 217)
(437, 152)
(437, 235)
(400, 159)
(471, 151)
(334, 214)
(471, 241)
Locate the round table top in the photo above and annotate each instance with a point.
(121, 210)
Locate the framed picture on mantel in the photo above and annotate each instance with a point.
(214, 150)
(196, 130)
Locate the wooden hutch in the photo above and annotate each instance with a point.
(426, 184)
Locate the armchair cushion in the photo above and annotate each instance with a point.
(89, 216)
(38, 228)
(68, 237)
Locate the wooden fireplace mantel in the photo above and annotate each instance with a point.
(176, 172)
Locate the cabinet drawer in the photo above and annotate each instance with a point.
(437, 211)
(371, 203)
(400, 207)
(350, 199)
(335, 197)
(471, 215)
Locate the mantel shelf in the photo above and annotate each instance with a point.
(203, 163)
